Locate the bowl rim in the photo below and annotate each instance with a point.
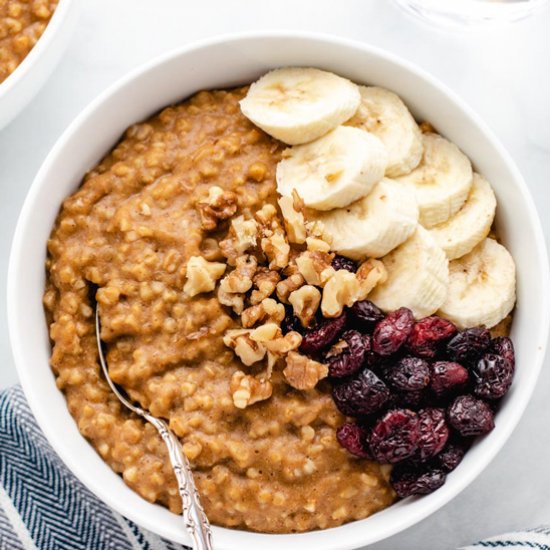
(42, 44)
(439, 498)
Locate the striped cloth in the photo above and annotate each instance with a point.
(43, 506)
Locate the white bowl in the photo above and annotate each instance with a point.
(229, 61)
(27, 79)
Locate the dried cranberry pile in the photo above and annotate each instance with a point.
(419, 391)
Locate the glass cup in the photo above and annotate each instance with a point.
(471, 12)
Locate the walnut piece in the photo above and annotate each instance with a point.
(202, 275)
(340, 290)
(303, 373)
(305, 302)
(267, 311)
(234, 301)
(246, 348)
(265, 282)
(247, 390)
(239, 280)
(289, 285)
(315, 267)
(219, 205)
(294, 221)
(316, 244)
(276, 249)
(242, 236)
(369, 274)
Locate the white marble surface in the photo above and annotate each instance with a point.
(503, 73)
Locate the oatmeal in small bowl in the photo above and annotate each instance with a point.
(306, 282)
(33, 35)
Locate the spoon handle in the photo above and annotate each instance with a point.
(195, 519)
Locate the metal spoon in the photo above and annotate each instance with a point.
(195, 519)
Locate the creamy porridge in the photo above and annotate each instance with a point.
(22, 23)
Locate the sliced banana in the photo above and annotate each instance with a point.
(442, 180)
(482, 287)
(418, 276)
(471, 224)
(297, 104)
(384, 114)
(373, 225)
(334, 170)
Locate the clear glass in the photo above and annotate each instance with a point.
(472, 12)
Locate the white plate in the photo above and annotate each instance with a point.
(228, 61)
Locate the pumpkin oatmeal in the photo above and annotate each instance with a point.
(22, 23)
(158, 233)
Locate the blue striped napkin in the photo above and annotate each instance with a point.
(44, 507)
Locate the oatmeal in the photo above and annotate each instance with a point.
(159, 224)
(22, 23)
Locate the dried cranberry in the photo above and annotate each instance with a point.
(361, 395)
(392, 332)
(365, 315)
(408, 480)
(503, 346)
(411, 399)
(340, 262)
(451, 456)
(395, 436)
(493, 376)
(470, 416)
(447, 377)
(323, 335)
(408, 374)
(353, 438)
(350, 357)
(469, 345)
(433, 431)
(428, 335)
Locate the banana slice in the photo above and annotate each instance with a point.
(297, 105)
(382, 113)
(373, 225)
(334, 170)
(482, 287)
(442, 180)
(418, 276)
(471, 224)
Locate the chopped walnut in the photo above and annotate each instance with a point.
(286, 286)
(340, 290)
(266, 333)
(317, 229)
(242, 236)
(280, 346)
(267, 217)
(202, 275)
(219, 205)
(247, 390)
(234, 301)
(293, 220)
(246, 348)
(276, 249)
(316, 244)
(305, 302)
(315, 267)
(265, 282)
(267, 311)
(370, 273)
(303, 373)
(239, 280)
